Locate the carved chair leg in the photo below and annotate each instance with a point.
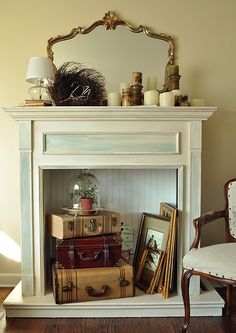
(228, 299)
(185, 294)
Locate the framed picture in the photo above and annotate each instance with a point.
(150, 248)
(167, 280)
(140, 279)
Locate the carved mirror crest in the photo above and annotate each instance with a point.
(116, 51)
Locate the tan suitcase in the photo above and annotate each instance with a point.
(89, 284)
(65, 226)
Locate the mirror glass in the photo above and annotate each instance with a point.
(116, 52)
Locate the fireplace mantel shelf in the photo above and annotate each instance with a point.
(110, 113)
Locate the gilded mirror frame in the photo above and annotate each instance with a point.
(110, 21)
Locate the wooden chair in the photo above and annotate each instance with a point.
(215, 262)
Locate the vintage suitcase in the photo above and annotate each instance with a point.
(68, 226)
(101, 251)
(89, 284)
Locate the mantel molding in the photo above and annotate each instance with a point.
(109, 113)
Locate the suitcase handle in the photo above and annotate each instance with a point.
(82, 258)
(92, 292)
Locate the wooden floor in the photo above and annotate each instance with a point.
(118, 325)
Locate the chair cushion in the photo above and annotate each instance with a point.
(218, 260)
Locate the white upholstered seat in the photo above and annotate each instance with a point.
(218, 260)
(214, 262)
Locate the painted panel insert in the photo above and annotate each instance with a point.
(116, 143)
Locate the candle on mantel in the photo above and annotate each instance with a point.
(177, 92)
(123, 85)
(173, 70)
(151, 97)
(114, 99)
(151, 83)
(167, 99)
(198, 102)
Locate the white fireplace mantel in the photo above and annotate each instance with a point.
(106, 137)
(110, 113)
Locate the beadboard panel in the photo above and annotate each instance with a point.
(129, 191)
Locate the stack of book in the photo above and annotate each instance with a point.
(34, 102)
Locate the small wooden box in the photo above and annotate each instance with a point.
(127, 237)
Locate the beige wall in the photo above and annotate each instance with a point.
(204, 32)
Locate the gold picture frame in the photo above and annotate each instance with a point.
(166, 281)
(150, 249)
(149, 288)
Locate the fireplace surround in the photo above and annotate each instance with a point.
(57, 141)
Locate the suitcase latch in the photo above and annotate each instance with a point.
(71, 226)
(123, 282)
(92, 225)
(68, 287)
(113, 221)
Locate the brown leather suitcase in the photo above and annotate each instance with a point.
(88, 284)
(101, 251)
(68, 226)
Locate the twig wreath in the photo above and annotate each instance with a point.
(76, 85)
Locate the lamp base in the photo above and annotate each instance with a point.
(39, 93)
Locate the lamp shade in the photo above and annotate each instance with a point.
(39, 68)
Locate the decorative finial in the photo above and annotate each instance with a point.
(110, 20)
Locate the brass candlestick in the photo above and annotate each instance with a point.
(173, 81)
(136, 94)
(136, 88)
(126, 97)
(136, 78)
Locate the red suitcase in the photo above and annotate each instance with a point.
(102, 251)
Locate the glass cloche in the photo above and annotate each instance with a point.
(83, 192)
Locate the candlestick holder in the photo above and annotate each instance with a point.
(136, 78)
(173, 82)
(126, 97)
(136, 94)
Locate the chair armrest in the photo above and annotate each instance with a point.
(202, 220)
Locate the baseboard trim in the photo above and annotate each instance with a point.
(9, 279)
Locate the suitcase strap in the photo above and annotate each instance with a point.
(123, 282)
(68, 286)
(106, 251)
(71, 253)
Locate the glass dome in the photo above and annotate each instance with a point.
(83, 186)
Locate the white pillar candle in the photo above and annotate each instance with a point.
(198, 102)
(151, 83)
(123, 85)
(151, 97)
(167, 99)
(114, 99)
(177, 92)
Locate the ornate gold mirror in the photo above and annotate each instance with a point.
(116, 51)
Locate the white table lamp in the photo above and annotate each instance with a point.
(39, 72)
